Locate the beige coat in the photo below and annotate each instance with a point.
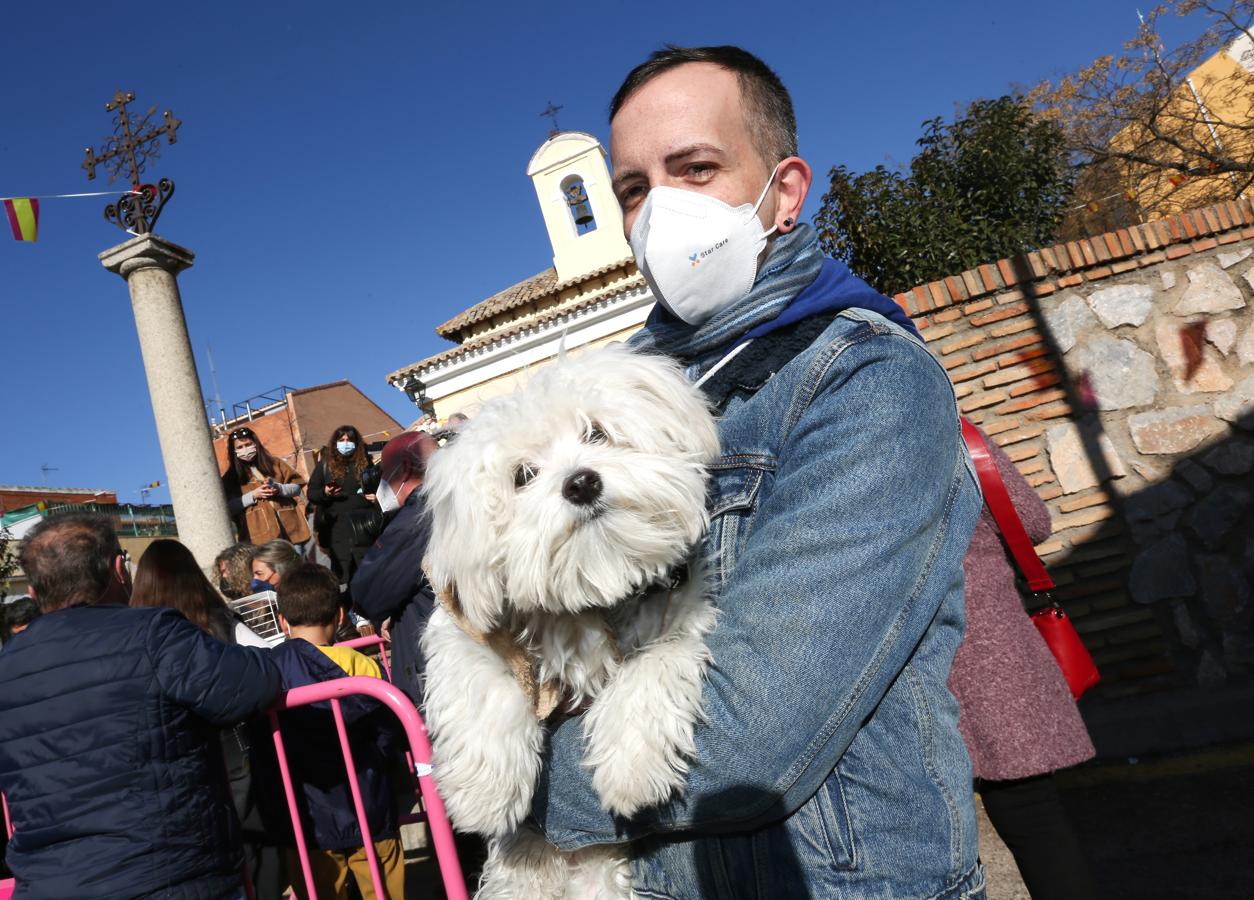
(266, 520)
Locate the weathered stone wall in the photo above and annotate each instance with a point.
(1118, 373)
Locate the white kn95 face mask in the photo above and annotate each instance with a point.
(698, 254)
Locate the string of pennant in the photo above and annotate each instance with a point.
(23, 212)
(1093, 206)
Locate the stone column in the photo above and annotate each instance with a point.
(149, 264)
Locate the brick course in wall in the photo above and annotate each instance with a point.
(1023, 382)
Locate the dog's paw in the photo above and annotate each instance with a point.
(632, 782)
(486, 742)
(485, 797)
(639, 737)
(521, 865)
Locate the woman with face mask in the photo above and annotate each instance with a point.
(270, 562)
(262, 493)
(335, 492)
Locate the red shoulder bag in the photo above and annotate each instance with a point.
(1052, 621)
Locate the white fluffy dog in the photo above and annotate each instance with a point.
(565, 516)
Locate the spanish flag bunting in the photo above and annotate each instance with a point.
(153, 484)
(1093, 206)
(1177, 179)
(1130, 195)
(23, 215)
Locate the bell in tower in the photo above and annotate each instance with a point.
(581, 213)
(577, 200)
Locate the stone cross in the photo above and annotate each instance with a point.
(551, 111)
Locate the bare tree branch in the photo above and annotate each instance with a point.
(1164, 128)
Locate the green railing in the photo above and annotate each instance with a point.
(131, 519)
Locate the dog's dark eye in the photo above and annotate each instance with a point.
(595, 435)
(523, 475)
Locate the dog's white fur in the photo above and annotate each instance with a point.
(564, 580)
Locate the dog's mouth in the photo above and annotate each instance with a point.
(672, 579)
(585, 514)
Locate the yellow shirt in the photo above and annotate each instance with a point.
(352, 662)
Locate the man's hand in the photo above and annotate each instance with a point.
(385, 629)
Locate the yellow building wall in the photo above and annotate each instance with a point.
(1226, 89)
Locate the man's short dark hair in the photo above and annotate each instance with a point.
(768, 109)
(21, 611)
(309, 595)
(69, 559)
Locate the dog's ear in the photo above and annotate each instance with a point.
(675, 406)
(464, 549)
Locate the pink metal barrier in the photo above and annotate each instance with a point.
(372, 640)
(418, 757)
(420, 748)
(7, 886)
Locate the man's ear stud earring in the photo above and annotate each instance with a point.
(788, 223)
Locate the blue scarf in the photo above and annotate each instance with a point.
(795, 282)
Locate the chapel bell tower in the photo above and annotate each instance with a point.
(580, 211)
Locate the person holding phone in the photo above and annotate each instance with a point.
(335, 492)
(262, 493)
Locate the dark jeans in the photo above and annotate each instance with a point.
(264, 861)
(1029, 816)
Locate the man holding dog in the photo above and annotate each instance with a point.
(830, 763)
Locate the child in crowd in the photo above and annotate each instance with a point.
(234, 568)
(18, 613)
(309, 613)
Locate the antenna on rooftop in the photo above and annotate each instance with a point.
(146, 489)
(213, 377)
(45, 468)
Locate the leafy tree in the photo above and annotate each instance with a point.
(990, 184)
(8, 557)
(1150, 130)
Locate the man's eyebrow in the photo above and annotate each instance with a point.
(621, 178)
(692, 150)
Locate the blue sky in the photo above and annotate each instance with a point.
(351, 175)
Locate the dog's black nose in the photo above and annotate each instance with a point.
(582, 488)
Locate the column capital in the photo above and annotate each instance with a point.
(146, 251)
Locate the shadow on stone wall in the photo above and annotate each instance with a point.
(1180, 546)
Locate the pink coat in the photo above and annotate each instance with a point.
(1017, 715)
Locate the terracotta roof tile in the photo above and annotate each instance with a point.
(537, 287)
(512, 297)
(633, 283)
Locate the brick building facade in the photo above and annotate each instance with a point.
(300, 423)
(16, 496)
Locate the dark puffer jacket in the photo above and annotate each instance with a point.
(311, 742)
(110, 758)
(391, 583)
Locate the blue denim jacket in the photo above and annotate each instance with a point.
(830, 764)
